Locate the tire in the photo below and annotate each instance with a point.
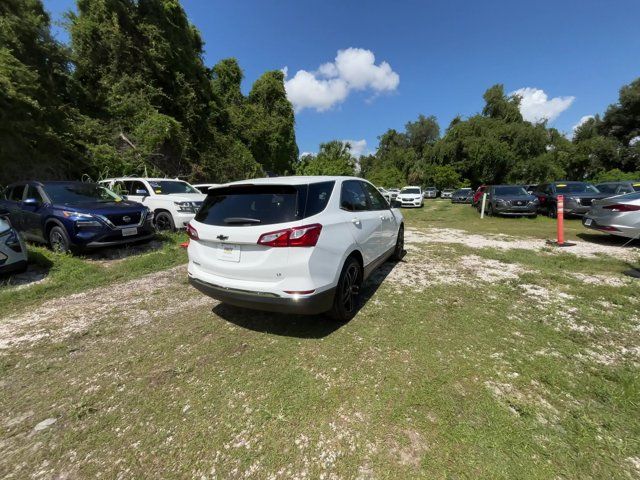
(489, 211)
(345, 302)
(398, 251)
(552, 211)
(59, 240)
(164, 222)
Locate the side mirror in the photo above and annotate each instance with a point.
(142, 193)
(31, 202)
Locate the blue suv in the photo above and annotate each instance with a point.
(67, 215)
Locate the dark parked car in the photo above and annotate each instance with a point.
(462, 195)
(68, 215)
(578, 197)
(510, 200)
(477, 196)
(618, 188)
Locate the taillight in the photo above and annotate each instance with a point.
(306, 236)
(621, 207)
(192, 232)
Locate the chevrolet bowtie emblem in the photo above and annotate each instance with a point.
(222, 237)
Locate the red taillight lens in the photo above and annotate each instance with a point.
(192, 232)
(306, 236)
(621, 207)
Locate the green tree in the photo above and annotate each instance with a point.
(498, 105)
(386, 176)
(271, 134)
(622, 120)
(423, 132)
(334, 158)
(36, 117)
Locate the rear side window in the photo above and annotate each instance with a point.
(15, 193)
(376, 200)
(32, 192)
(352, 196)
(244, 205)
(318, 197)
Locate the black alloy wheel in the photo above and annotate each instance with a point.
(345, 303)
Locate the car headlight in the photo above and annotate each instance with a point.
(186, 207)
(82, 219)
(499, 201)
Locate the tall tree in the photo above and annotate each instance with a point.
(271, 134)
(334, 158)
(36, 131)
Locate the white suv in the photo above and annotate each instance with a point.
(173, 202)
(410, 197)
(292, 244)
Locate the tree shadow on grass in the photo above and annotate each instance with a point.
(299, 326)
(37, 271)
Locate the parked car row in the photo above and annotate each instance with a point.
(612, 207)
(70, 215)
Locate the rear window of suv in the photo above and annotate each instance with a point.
(245, 205)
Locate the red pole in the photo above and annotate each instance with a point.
(560, 211)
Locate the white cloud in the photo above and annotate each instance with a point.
(352, 69)
(581, 121)
(535, 105)
(634, 140)
(358, 147)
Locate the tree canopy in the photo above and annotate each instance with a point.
(131, 94)
(499, 146)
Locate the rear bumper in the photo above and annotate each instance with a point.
(608, 226)
(270, 302)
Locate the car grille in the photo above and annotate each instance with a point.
(124, 219)
(518, 203)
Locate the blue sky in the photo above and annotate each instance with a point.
(441, 56)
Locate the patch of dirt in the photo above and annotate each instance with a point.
(410, 452)
(600, 279)
(508, 242)
(520, 402)
(131, 301)
(423, 268)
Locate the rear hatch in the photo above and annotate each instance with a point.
(233, 219)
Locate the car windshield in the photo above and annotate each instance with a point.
(168, 187)
(516, 191)
(80, 193)
(410, 191)
(576, 188)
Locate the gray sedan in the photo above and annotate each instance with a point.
(616, 215)
(512, 200)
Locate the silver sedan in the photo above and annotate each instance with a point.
(616, 215)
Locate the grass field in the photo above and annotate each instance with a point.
(483, 354)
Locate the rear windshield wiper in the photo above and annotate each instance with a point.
(241, 220)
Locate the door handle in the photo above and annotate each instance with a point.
(355, 221)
